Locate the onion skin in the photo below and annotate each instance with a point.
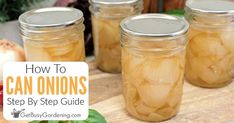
(6, 46)
(9, 51)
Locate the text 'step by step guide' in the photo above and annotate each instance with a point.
(46, 91)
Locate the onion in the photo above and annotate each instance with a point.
(9, 51)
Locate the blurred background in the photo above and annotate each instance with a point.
(11, 9)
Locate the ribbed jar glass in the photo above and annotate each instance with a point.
(106, 17)
(153, 61)
(53, 34)
(210, 52)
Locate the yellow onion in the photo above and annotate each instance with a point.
(9, 51)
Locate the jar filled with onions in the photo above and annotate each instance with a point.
(210, 52)
(106, 17)
(153, 61)
(53, 34)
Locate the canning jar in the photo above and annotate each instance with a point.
(106, 17)
(210, 52)
(153, 60)
(53, 34)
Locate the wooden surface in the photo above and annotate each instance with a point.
(199, 105)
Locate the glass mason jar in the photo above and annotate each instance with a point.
(210, 52)
(153, 60)
(106, 17)
(53, 34)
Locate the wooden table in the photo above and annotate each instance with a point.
(199, 105)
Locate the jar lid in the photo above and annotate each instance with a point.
(114, 2)
(51, 17)
(211, 6)
(154, 25)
